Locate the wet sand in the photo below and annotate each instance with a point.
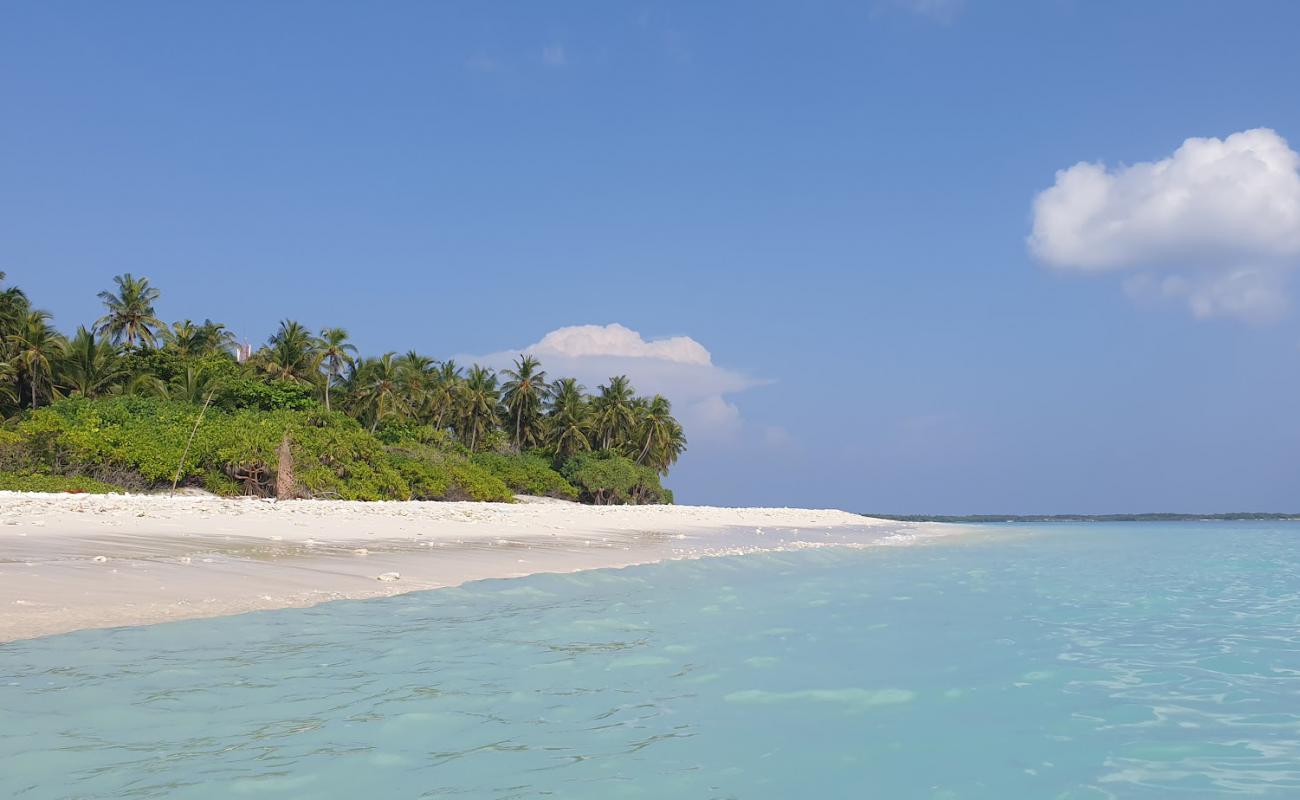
(69, 562)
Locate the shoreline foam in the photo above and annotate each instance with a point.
(72, 562)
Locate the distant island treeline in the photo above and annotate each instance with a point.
(992, 518)
(133, 403)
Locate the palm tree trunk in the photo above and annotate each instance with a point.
(645, 449)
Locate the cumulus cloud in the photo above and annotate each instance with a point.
(677, 367)
(579, 341)
(1216, 225)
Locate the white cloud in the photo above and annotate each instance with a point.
(554, 55)
(577, 341)
(1215, 225)
(677, 367)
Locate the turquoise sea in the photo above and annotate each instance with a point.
(1050, 661)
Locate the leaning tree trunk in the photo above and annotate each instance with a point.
(285, 485)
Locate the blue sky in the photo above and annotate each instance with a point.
(833, 199)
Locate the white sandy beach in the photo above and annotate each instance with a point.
(69, 562)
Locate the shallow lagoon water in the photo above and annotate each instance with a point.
(1060, 661)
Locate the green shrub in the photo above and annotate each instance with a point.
(404, 433)
(137, 442)
(19, 482)
(237, 393)
(221, 484)
(168, 367)
(142, 433)
(426, 481)
(493, 440)
(607, 478)
(527, 473)
(471, 482)
(231, 452)
(13, 452)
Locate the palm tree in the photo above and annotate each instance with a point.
(479, 399)
(38, 366)
(524, 393)
(349, 387)
(379, 394)
(8, 387)
(568, 421)
(415, 362)
(333, 352)
(130, 314)
(216, 338)
(192, 385)
(419, 377)
(195, 341)
(184, 337)
(289, 354)
(666, 452)
(655, 422)
(445, 392)
(612, 413)
(90, 366)
(13, 309)
(36, 349)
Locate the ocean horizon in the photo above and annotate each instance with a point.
(1094, 660)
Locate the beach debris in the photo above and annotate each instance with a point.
(185, 559)
(388, 577)
(100, 559)
(361, 551)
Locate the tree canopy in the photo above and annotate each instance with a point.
(607, 442)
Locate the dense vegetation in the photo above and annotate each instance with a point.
(133, 403)
(10, 482)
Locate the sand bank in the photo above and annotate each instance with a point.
(69, 562)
